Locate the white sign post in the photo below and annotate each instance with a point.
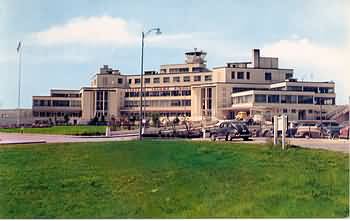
(275, 130)
(280, 124)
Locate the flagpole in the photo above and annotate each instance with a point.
(19, 51)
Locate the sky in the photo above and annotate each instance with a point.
(65, 42)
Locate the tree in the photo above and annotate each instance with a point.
(103, 120)
(155, 119)
(66, 118)
(93, 121)
(188, 124)
(176, 121)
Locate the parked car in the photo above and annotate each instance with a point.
(345, 133)
(310, 131)
(332, 129)
(230, 130)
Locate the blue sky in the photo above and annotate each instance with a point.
(311, 36)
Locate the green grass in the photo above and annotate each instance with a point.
(171, 179)
(65, 130)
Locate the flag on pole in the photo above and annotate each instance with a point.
(19, 46)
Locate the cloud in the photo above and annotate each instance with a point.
(102, 31)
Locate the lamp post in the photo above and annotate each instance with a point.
(19, 52)
(144, 34)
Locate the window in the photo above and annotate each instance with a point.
(166, 79)
(305, 100)
(60, 103)
(137, 80)
(268, 76)
(325, 90)
(248, 75)
(240, 75)
(310, 111)
(312, 89)
(260, 98)
(197, 69)
(324, 101)
(207, 78)
(285, 111)
(197, 78)
(147, 80)
(176, 79)
(186, 103)
(273, 98)
(156, 80)
(120, 80)
(233, 75)
(187, 78)
(294, 88)
(129, 81)
(289, 75)
(288, 99)
(186, 92)
(294, 111)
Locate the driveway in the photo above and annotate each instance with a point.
(16, 138)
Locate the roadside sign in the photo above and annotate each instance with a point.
(280, 124)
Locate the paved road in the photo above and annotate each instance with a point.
(14, 138)
(339, 145)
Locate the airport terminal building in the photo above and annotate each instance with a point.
(258, 87)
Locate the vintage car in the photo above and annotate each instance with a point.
(310, 131)
(228, 130)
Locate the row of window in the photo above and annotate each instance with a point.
(159, 103)
(240, 75)
(135, 115)
(159, 93)
(246, 75)
(157, 80)
(321, 90)
(56, 114)
(56, 103)
(292, 99)
(65, 95)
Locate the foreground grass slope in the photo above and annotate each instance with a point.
(62, 130)
(171, 179)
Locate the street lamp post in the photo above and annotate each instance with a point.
(144, 34)
(19, 52)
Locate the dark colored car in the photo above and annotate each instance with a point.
(230, 130)
(332, 129)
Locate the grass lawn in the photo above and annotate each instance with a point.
(66, 130)
(171, 179)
